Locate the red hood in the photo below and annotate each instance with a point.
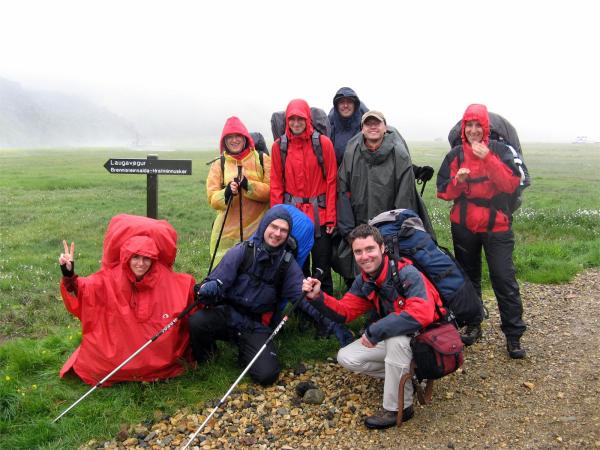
(298, 107)
(124, 226)
(233, 125)
(138, 245)
(479, 113)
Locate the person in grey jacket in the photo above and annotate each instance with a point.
(376, 175)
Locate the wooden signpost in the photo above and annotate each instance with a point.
(151, 167)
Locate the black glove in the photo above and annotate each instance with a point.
(424, 173)
(244, 183)
(228, 193)
(66, 272)
(208, 292)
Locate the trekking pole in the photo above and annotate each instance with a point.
(423, 187)
(318, 275)
(212, 260)
(181, 315)
(208, 163)
(240, 194)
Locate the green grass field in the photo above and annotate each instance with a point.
(50, 195)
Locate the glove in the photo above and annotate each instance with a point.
(424, 173)
(228, 193)
(244, 183)
(208, 292)
(66, 272)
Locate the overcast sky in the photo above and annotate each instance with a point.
(188, 65)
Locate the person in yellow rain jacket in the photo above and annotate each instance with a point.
(239, 170)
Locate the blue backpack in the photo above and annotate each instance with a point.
(405, 236)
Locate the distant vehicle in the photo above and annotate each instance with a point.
(582, 140)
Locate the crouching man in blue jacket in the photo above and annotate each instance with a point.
(245, 294)
(405, 303)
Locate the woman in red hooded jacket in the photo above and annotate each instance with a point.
(304, 184)
(478, 176)
(132, 297)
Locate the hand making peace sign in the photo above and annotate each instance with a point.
(68, 257)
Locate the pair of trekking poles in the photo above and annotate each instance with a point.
(180, 316)
(177, 319)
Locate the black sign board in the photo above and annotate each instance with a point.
(151, 167)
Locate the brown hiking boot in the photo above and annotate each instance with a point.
(386, 419)
(471, 334)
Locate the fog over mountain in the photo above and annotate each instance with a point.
(32, 118)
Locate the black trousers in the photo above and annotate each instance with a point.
(320, 257)
(498, 248)
(209, 325)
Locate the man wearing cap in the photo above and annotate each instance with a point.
(344, 118)
(376, 175)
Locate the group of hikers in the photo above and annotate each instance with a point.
(279, 217)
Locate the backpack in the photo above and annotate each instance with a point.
(259, 142)
(321, 126)
(405, 236)
(501, 130)
(286, 260)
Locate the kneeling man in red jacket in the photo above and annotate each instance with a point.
(405, 303)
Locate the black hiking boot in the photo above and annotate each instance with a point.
(471, 334)
(513, 345)
(386, 419)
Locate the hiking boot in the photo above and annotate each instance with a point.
(471, 334)
(513, 345)
(386, 419)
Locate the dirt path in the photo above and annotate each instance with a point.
(549, 400)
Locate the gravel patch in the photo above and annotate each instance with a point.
(549, 400)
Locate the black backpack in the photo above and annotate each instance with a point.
(259, 142)
(500, 130)
(321, 126)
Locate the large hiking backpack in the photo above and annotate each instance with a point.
(319, 120)
(321, 126)
(500, 130)
(405, 236)
(259, 142)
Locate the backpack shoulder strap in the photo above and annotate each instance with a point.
(286, 260)
(318, 149)
(283, 148)
(248, 257)
(222, 159)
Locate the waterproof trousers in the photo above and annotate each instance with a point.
(498, 248)
(389, 359)
(209, 325)
(320, 256)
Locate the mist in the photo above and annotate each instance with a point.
(176, 71)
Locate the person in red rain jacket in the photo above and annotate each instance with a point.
(131, 298)
(301, 182)
(404, 305)
(478, 176)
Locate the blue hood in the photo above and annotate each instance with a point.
(276, 212)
